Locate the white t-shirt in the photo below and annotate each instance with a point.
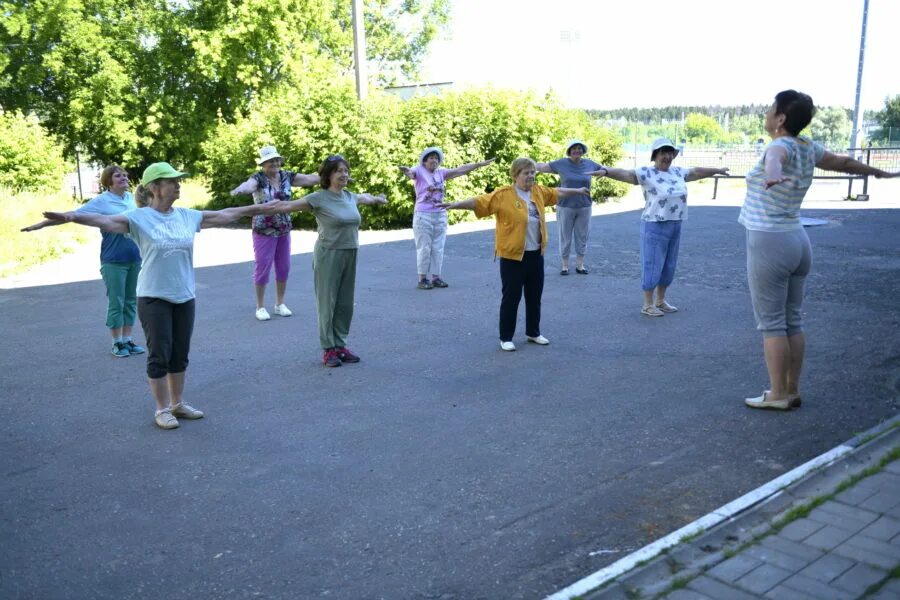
(665, 193)
(533, 231)
(166, 241)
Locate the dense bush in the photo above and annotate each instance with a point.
(384, 132)
(30, 160)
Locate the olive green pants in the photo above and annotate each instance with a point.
(334, 278)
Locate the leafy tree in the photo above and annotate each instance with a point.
(30, 160)
(831, 126)
(889, 120)
(146, 81)
(702, 129)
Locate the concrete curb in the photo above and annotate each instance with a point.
(813, 478)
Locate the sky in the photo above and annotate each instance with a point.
(621, 53)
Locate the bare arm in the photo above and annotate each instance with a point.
(111, 223)
(219, 218)
(42, 224)
(563, 192)
(468, 204)
(302, 180)
(248, 187)
(704, 172)
(370, 199)
(467, 168)
(289, 206)
(544, 168)
(776, 156)
(408, 172)
(845, 164)
(623, 175)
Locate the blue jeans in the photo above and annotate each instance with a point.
(659, 252)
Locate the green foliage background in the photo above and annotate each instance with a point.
(308, 123)
(30, 159)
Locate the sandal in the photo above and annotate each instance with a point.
(564, 272)
(651, 311)
(666, 307)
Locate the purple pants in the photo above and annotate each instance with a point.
(268, 249)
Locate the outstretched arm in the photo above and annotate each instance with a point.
(42, 224)
(461, 205)
(563, 192)
(544, 168)
(248, 187)
(370, 199)
(704, 172)
(407, 171)
(845, 164)
(111, 223)
(301, 180)
(467, 168)
(220, 218)
(623, 175)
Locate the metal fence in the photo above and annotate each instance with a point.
(741, 159)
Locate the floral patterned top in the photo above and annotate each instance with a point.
(272, 225)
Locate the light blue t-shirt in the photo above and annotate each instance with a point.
(115, 247)
(573, 175)
(166, 241)
(778, 208)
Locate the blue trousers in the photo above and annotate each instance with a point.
(659, 252)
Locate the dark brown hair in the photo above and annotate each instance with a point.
(329, 166)
(798, 110)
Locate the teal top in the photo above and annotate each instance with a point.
(337, 218)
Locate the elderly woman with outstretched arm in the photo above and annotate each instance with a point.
(165, 287)
(429, 218)
(665, 207)
(520, 242)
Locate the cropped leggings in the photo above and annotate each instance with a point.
(777, 265)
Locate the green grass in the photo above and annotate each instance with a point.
(21, 251)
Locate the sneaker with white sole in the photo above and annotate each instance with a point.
(282, 311)
(134, 348)
(262, 314)
(120, 350)
(165, 419)
(507, 346)
(186, 411)
(538, 339)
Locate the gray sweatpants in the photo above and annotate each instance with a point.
(573, 223)
(777, 265)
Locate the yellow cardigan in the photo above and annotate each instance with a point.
(512, 217)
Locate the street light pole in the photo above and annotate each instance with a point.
(359, 50)
(859, 74)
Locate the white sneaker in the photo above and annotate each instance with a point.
(262, 314)
(282, 311)
(165, 420)
(186, 411)
(538, 340)
(507, 346)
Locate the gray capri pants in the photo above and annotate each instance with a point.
(777, 265)
(573, 222)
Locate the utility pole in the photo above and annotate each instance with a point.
(862, 51)
(359, 50)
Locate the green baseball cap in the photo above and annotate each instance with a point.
(160, 170)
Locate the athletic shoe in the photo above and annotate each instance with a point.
(331, 359)
(507, 346)
(345, 355)
(424, 284)
(165, 420)
(120, 350)
(282, 311)
(186, 411)
(538, 339)
(439, 283)
(134, 348)
(262, 314)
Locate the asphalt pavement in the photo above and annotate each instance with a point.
(439, 467)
